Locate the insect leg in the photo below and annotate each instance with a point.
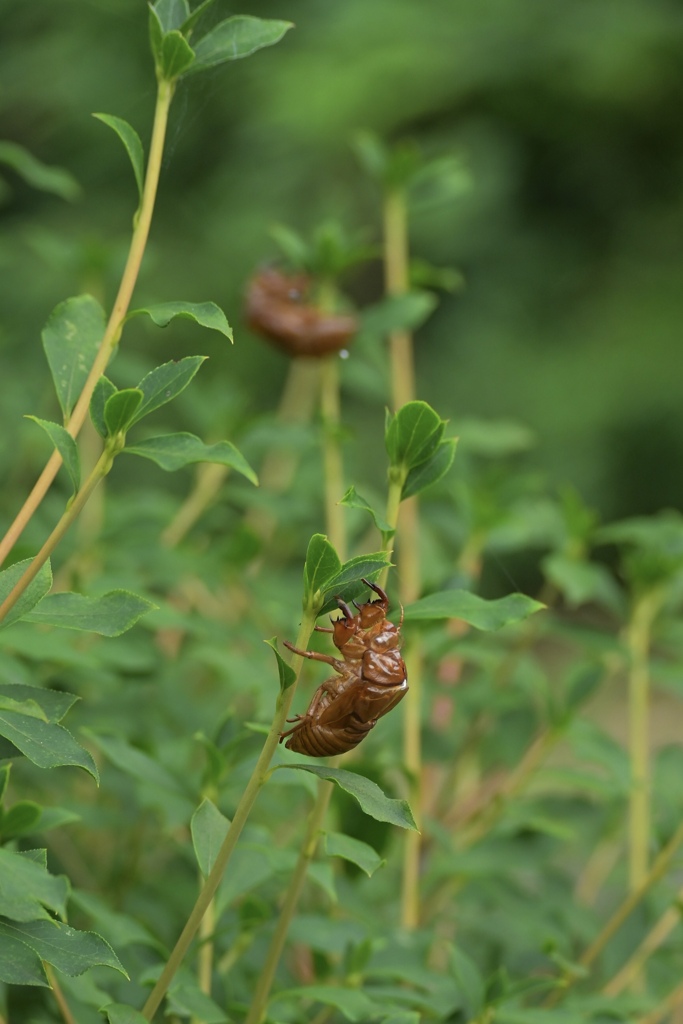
(329, 686)
(295, 728)
(337, 665)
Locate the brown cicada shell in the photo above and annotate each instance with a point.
(370, 681)
(278, 306)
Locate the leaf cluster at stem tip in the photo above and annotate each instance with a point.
(325, 576)
(172, 24)
(418, 453)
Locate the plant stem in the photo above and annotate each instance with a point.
(652, 941)
(206, 951)
(99, 471)
(396, 276)
(114, 326)
(209, 479)
(657, 871)
(667, 1006)
(412, 753)
(396, 482)
(296, 407)
(512, 785)
(242, 811)
(482, 823)
(409, 591)
(397, 282)
(59, 995)
(638, 638)
(332, 456)
(259, 1002)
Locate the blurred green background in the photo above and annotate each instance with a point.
(567, 114)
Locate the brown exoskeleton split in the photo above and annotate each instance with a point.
(371, 680)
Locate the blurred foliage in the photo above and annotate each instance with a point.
(565, 114)
(555, 128)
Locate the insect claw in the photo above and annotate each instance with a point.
(348, 614)
(378, 590)
(355, 605)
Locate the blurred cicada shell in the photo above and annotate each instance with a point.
(279, 306)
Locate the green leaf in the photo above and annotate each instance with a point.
(482, 614)
(186, 999)
(352, 499)
(175, 56)
(531, 1015)
(469, 981)
(339, 845)
(72, 952)
(321, 873)
(322, 565)
(358, 568)
(394, 167)
(189, 23)
(25, 707)
(44, 743)
(580, 582)
(430, 471)
(582, 682)
(71, 338)
(54, 817)
(39, 175)
(368, 794)
(102, 392)
(109, 615)
(118, 1013)
(172, 14)
(295, 249)
(351, 1002)
(662, 532)
(426, 275)
(286, 673)
(349, 578)
(135, 763)
(413, 434)
(173, 451)
(28, 891)
(398, 313)
(156, 35)
(165, 383)
(66, 446)
(34, 592)
(250, 865)
(495, 439)
(53, 704)
(209, 828)
(20, 819)
(18, 964)
(236, 37)
(372, 154)
(118, 928)
(403, 1017)
(206, 314)
(120, 409)
(131, 140)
